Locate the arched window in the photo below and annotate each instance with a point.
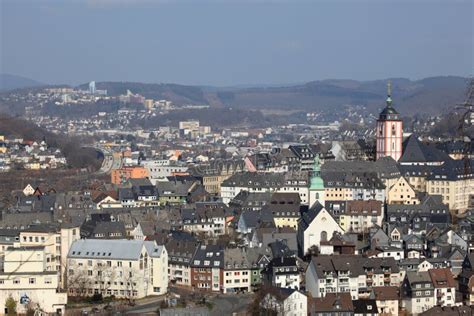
(324, 236)
(393, 130)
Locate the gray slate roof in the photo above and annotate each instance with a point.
(119, 249)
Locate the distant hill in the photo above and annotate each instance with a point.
(11, 82)
(179, 94)
(430, 95)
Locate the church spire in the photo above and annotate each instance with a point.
(389, 94)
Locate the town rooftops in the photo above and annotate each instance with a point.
(355, 265)
(385, 167)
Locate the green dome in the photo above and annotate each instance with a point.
(317, 183)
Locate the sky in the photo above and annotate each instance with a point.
(230, 42)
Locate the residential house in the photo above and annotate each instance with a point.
(180, 256)
(418, 293)
(444, 286)
(207, 268)
(237, 269)
(353, 274)
(387, 298)
(283, 272)
(285, 302)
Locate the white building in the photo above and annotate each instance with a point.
(314, 226)
(56, 240)
(444, 286)
(26, 279)
(125, 268)
(286, 302)
(236, 275)
(159, 170)
(349, 273)
(264, 182)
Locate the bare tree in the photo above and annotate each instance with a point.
(78, 280)
(131, 279)
(106, 275)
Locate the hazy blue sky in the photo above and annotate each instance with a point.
(235, 42)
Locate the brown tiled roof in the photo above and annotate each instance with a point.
(384, 293)
(360, 207)
(442, 278)
(340, 302)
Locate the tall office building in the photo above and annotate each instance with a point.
(92, 87)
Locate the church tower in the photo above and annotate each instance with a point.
(316, 189)
(389, 131)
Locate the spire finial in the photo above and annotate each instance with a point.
(389, 93)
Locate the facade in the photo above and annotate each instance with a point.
(124, 268)
(208, 218)
(119, 176)
(418, 293)
(359, 216)
(283, 273)
(402, 193)
(265, 182)
(159, 170)
(26, 279)
(284, 209)
(348, 186)
(389, 131)
(180, 254)
(57, 240)
(387, 299)
(453, 183)
(215, 172)
(206, 268)
(353, 274)
(444, 286)
(237, 271)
